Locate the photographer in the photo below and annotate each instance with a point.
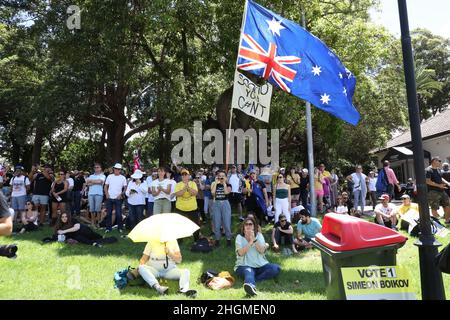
(6, 227)
(221, 208)
(42, 181)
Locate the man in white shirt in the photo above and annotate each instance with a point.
(69, 197)
(161, 189)
(95, 195)
(115, 186)
(372, 188)
(150, 199)
(237, 182)
(20, 186)
(385, 213)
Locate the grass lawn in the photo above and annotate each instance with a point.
(61, 271)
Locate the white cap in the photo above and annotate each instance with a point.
(137, 174)
(118, 166)
(304, 170)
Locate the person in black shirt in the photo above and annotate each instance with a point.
(446, 175)
(78, 190)
(304, 185)
(437, 187)
(6, 227)
(282, 234)
(42, 184)
(6, 188)
(221, 209)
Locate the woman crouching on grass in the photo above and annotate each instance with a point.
(29, 218)
(251, 262)
(79, 232)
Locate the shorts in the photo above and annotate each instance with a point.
(319, 193)
(295, 191)
(18, 203)
(40, 199)
(95, 202)
(235, 198)
(437, 199)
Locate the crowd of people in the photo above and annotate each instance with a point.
(112, 198)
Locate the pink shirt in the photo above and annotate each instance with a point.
(391, 176)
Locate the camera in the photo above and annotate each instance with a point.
(8, 251)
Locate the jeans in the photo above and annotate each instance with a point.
(95, 202)
(76, 208)
(150, 272)
(117, 203)
(253, 275)
(135, 214)
(391, 191)
(162, 206)
(359, 199)
(221, 212)
(149, 208)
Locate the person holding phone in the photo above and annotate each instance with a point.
(42, 180)
(251, 261)
(221, 208)
(161, 189)
(136, 192)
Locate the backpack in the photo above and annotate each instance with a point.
(442, 260)
(223, 280)
(207, 276)
(201, 245)
(382, 182)
(121, 279)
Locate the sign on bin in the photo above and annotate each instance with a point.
(377, 283)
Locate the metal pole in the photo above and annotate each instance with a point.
(430, 276)
(312, 193)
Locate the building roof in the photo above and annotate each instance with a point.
(433, 127)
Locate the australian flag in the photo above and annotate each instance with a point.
(288, 56)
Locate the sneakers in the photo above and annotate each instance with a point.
(107, 231)
(98, 245)
(189, 293)
(250, 289)
(161, 289)
(228, 243)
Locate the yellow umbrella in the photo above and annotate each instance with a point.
(163, 228)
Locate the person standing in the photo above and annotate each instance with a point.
(42, 185)
(59, 195)
(304, 187)
(257, 200)
(333, 188)
(20, 187)
(251, 262)
(437, 186)
(282, 200)
(150, 200)
(71, 182)
(318, 188)
(136, 192)
(392, 180)
(115, 186)
(161, 189)
(236, 181)
(186, 204)
(445, 175)
(359, 180)
(221, 209)
(78, 191)
(293, 179)
(372, 189)
(170, 175)
(6, 188)
(95, 195)
(200, 196)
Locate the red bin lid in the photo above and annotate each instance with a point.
(344, 233)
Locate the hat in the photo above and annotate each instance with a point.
(282, 169)
(118, 166)
(384, 197)
(304, 170)
(445, 164)
(184, 171)
(405, 196)
(435, 158)
(137, 174)
(19, 167)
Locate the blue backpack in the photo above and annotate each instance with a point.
(120, 278)
(382, 182)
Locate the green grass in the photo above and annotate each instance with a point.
(61, 271)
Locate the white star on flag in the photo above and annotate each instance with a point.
(325, 98)
(316, 70)
(349, 74)
(340, 75)
(275, 26)
(345, 91)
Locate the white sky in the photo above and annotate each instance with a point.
(430, 14)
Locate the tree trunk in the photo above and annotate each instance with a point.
(37, 148)
(115, 142)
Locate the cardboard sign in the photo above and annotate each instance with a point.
(251, 98)
(377, 283)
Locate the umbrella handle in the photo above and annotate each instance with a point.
(166, 265)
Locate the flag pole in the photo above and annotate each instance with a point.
(309, 139)
(227, 157)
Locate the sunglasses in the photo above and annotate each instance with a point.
(283, 220)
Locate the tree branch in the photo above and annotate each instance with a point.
(151, 124)
(148, 50)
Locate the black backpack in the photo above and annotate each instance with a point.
(207, 275)
(442, 260)
(202, 245)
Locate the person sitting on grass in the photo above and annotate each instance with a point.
(407, 212)
(385, 213)
(251, 262)
(160, 260)
(6, 227)
(282, 235)
(81, 233)
(29, 218)
(307, 228)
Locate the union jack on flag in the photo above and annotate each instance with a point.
(291, 58)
